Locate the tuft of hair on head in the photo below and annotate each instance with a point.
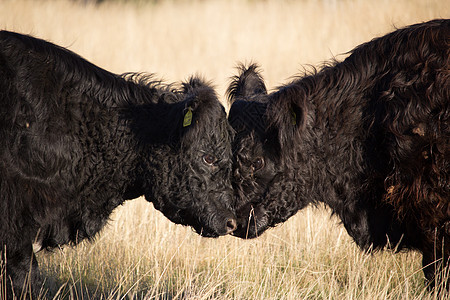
(247, 84)
(195, 82)
(199, 92)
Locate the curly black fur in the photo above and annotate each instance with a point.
(77, 141)
(368, 136)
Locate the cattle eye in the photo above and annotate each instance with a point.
(209, 159)
(258, 163)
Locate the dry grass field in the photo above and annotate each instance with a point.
(140, 254)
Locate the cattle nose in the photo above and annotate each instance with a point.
(231, 225)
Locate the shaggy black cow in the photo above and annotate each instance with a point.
(77, 141)
(369, 137)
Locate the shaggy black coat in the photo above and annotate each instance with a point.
(77, 141)
(369, 137)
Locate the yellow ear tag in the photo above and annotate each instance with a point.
(293, 117)
(187, 118)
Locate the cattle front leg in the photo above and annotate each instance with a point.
(21, 274)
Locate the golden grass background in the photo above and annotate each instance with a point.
(140, 254)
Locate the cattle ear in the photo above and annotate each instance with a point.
(286, 116)
(248, 85)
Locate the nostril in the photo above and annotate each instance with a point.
(231, 225)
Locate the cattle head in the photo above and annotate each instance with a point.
(266, 126)
(187, 166)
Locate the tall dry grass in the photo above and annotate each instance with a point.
(141, 254)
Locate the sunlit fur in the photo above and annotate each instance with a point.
(368, 136)
(77, 141)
